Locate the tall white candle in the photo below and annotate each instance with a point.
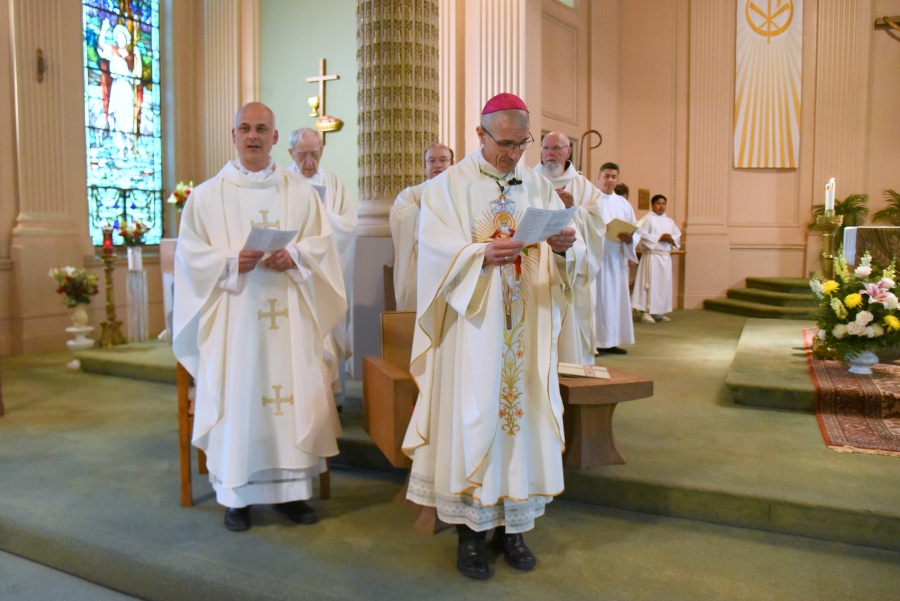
(829, 195)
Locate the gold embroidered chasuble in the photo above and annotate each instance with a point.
(486, 435)
(576, 336)
(253, 341)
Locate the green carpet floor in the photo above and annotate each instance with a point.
(88, 484)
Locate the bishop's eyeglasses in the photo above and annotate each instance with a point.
(510, 146)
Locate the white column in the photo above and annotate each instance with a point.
(51, 221)
(709, 150)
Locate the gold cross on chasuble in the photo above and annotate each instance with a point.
(277, 401)
(265, 222)
(272, 314)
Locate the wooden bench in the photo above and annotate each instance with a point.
(589, 406)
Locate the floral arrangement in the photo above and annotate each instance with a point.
(180, 195)
(75, 283)
(858, 310)
(133, 233)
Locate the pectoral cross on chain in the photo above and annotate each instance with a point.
(272, 314)
(277, 401)
(265, 222)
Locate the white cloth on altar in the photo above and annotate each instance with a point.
(612, 313)
(576, 336)
(653, 284)
(486, 435)
(262, 400)
(404, 220)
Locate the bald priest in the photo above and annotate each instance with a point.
(249, 328)
(486, 435)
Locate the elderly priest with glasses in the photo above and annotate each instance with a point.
(486, 436)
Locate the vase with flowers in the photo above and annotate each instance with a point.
(77, 286)
(858, 313)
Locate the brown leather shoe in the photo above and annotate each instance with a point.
(514, 550)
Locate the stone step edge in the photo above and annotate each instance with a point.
(731, 303)
(821, 522)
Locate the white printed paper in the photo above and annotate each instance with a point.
(539, 224)
(268, 240)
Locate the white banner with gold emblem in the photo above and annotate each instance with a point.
(768, 67)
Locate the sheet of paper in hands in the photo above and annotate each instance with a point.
(268, 241)
(321, 190)
(573, 370)
(617, 225)
(539, 224)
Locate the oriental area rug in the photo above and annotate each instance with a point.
(856, 413)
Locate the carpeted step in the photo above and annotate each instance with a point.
(776, 299)
(789, 285)
(769, 368)
(752, 309)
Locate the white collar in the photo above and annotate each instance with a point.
(255, 175)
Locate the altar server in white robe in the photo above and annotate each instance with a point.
(652, 292)
(576, 338)
(249, 328)
(404, 220)
(612, 315)
(306, 151)
(486, 435)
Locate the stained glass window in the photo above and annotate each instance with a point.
(121, 114)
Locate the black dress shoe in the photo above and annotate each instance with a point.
(298, 512)
(471, 558)
(514, 550)
(613, 350)
(237, 519)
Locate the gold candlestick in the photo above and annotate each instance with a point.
(112, 328)
(829, 224)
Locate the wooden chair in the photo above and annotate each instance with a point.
(184, 383)
(389, 391)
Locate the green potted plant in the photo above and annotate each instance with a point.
(891, 213)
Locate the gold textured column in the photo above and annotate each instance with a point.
(397, 79)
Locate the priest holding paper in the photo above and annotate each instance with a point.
(486, 436)
(652, 292)
(249, 326)
(613, 325)
(306, 151)
(404, 220)
(576, 339)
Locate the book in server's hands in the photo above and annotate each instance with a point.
(572, 370)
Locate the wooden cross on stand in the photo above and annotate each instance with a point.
(321, 78)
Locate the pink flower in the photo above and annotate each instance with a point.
(878, 293)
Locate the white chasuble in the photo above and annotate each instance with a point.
(264, 413)
(576, 336)
(612, 311)
(486, 435)
(404, 221)
(653, 284)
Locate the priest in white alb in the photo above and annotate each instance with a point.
(612, 313)
(576, 338)
(306, 151)
(249, 328)
(652, 294)
(486, 435)
(404, 220)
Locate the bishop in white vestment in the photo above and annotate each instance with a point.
(486, 436)
(306, 152)
(652, 292)
(249, 329)
(576, 338)
(404, 221)
(612, 317)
